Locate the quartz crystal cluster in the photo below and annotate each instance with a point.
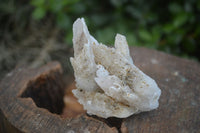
(108, 83)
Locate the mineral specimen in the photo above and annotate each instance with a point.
(108, 83)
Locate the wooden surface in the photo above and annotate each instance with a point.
(179, 80)
(179, 110)
(19, 113)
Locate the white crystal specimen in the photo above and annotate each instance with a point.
(108, 83)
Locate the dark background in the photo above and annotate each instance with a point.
(34, 32)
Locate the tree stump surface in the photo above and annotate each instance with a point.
(31, 100)
(179, 104)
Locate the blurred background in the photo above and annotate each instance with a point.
(34, 32)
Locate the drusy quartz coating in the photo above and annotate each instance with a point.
(108, 83)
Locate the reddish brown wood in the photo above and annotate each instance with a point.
(72, 106)
(32, 99)
(179, 80)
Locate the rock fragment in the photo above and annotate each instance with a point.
(108, 83)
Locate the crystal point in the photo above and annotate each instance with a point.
(108, 83)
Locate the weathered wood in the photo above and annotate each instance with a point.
(72, 107)
(31, 101)
(179, 80)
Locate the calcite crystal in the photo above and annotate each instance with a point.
(108, 83)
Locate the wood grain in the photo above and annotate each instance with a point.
(26, 97)
(23, 109)
(179, 80)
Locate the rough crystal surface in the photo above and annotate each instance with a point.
(108, 83)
